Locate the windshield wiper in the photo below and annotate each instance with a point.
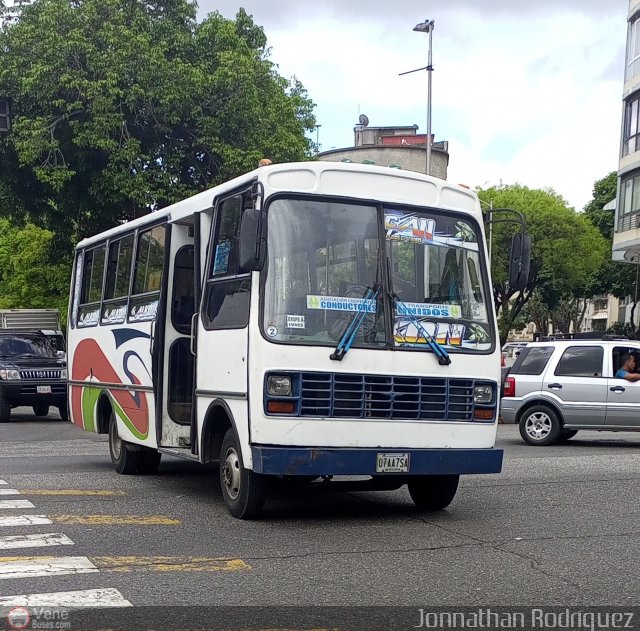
(441, 354)
(349, 335)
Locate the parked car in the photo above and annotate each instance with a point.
(556, 388)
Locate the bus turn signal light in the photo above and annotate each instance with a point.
(280, 407)
(483, 415)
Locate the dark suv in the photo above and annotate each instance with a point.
(32, 373)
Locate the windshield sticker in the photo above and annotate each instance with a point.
(409, 228)
(295, 322)
(339, 303)
(272, 331)
(416, 229)
(421, 310)
(407, 334)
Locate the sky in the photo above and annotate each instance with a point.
(526, 92)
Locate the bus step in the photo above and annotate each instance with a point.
(179, 453)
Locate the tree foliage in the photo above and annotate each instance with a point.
(566, 249)
(31, 274)
(123, 106)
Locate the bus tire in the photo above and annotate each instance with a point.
(40, 409)
(433, 492)
(149, 461)
(5, 411)
(125, 461)
(244, 491)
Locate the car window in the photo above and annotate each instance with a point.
(532, 360)
(581, 361)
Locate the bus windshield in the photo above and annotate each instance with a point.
(323, 255)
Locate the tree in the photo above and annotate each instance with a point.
(604, 191)
(123, 106)
(31, 274)
(566, 249)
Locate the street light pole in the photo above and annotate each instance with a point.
(318, 138)
(427, 27)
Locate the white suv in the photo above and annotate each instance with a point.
(556, 388)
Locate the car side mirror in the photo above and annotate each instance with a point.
(519, 261)
(252, 241)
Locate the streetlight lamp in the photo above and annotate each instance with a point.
(427, 27)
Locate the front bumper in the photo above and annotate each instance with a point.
(22, 392)
(335, 461)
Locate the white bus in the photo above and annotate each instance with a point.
(303, 322)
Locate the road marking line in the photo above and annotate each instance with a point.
(24, 520)
(68, 492)
(168, 564)
(34, 541)
(110, 520)
(2, 482)
(16, 504)
(9, 492)
(22, 567)
(69, 600)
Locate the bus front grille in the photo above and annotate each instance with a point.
(385, 397)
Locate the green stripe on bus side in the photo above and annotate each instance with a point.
(89, 400)
(90, 396)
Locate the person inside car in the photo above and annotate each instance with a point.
(628, 366)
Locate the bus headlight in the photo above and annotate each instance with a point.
(9, 374)
(483, 393)
(279, 386)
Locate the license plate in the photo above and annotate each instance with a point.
(392, 463)
(43, 389)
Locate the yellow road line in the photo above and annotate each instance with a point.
(69, 492)
(168, 564)
(119, 520)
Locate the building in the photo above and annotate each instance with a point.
(399, 147)
(626, 238)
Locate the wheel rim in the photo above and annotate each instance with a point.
(231, 473)
(538, 425)
(115, 442)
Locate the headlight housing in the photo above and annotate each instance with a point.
(483, 394)
(279, 386)
(8, 374)
(63, 373)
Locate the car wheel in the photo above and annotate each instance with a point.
(5, 411)
(540, 426)
(244, 491)
(40, 409)
(433, 492)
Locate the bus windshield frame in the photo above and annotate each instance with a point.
(325, 252)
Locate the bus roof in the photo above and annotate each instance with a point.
(311, 177)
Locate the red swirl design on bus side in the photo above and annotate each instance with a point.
(90, 361)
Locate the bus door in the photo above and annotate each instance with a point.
(177, 374)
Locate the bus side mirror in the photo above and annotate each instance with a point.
(252, 241)
(519, 261)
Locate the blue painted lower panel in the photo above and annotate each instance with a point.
(333, 461)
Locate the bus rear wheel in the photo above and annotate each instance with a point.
(433, 492)
(244, 491)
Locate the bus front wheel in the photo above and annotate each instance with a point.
(433, 492)
(128, 459)
(244, 491)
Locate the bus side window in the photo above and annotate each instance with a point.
(226, 300)
(147, 275)
(91, 287)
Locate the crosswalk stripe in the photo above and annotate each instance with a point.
(34, 541)
(24, 520)
(127, 564)
(9, 492)
(22, 567)
(69, 600)
(2, 482)
(69, 492)
(16, 504)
